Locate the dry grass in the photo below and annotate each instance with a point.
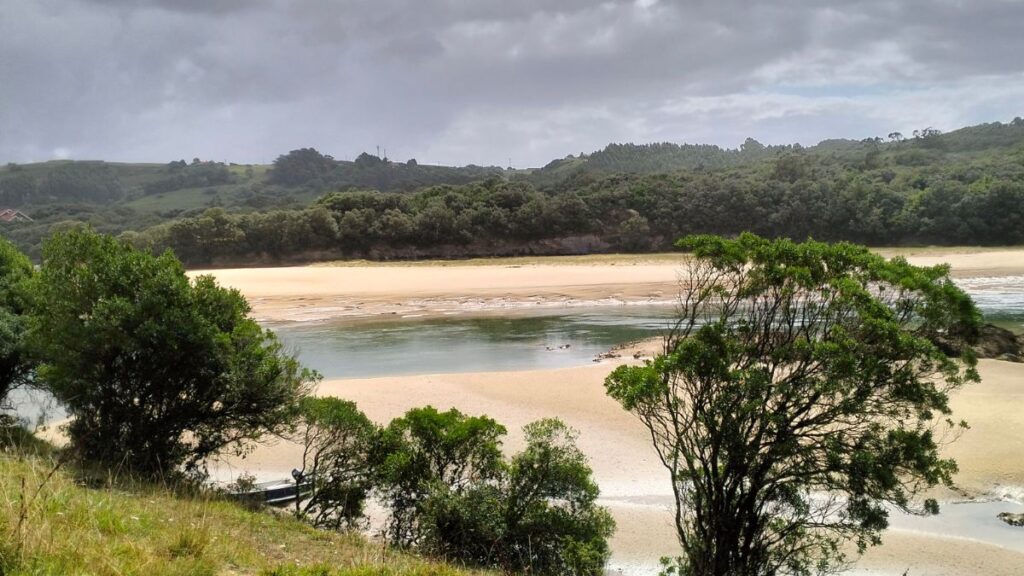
(124, 528)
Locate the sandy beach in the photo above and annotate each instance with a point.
(342, 289)
(634, 485)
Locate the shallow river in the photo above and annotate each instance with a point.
(526, 339)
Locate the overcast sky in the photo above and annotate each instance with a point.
(486, 81)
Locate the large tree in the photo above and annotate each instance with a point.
(155, 369)
(800, 398)
(16, 364)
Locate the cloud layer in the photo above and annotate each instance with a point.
(489, 81)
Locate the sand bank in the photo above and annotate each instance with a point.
(329, 291)
(634, 485)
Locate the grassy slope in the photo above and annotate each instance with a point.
(119, 529)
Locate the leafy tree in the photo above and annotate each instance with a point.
(300, 167)
(336, 439)
(800, 394)
(539, 516)
(155, 369)
(426, 450)
(635, 233)
(16, 364)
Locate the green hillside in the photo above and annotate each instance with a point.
(923, 187)
(77, 523)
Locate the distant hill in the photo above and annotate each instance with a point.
(117, 197)
(666, 157)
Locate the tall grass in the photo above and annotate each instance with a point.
(57, 520)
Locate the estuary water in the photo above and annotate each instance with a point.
(527, 339)
(523, 339)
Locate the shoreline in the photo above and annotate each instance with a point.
(632, 481)
(358, 290)
(635, 486)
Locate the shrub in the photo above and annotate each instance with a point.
(454, 496)
(336, 439)
(156, 370)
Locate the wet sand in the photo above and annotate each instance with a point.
(635, 486)
(367, 289)
(633, 483)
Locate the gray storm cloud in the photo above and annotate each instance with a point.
(480, 81)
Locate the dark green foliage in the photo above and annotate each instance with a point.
(539, 516)
(869, 192)
(427, 450)
(94, 182)
(181, 175)
(939, 189)
(452, 494)
(17, 189)
(800, 394)
(336, 439)
(301, 166)
(16, 364)
(156, 370)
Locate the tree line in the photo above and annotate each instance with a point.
(795, 195)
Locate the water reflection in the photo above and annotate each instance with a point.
(549, 339)
(535, 339)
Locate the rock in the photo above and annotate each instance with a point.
(996, 342)
(1012, 519)
(992, 342)
(607, 356)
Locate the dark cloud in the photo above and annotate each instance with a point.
(481, 81)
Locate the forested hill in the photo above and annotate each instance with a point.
(667, 157)
(962, 187)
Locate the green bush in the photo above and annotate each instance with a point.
(454, 496)
(336, 439)
(156, 370)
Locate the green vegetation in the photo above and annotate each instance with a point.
(453, 495)
(427, 449)
(74, 523)
(869, 192)
(803, 390)
(538, 516)
(159, 373)
(964, 187)
(156, 370)
(337, 440)
(16, 364)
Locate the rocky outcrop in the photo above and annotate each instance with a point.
(1012, 519)
(993, 342)
(999, 343)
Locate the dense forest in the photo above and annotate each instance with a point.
(962, 187)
